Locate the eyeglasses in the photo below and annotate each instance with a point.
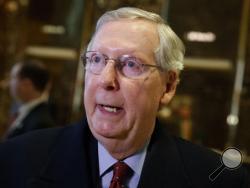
(127, 65)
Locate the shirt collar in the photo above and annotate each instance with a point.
(29, 105)
(135, 162)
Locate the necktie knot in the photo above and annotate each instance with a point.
(121, 171)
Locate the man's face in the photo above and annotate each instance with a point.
(119, 109)
(20, 88)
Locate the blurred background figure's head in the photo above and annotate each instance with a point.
(28, 81)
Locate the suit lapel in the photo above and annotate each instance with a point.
(73, 162)
(163, 166)
(24, 125)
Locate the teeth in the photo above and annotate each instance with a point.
(110, 109)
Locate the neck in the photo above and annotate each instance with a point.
(121, 149)
(31, 96)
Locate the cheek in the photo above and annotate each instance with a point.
(89, 91)
(135, 98)
(131, 92)
(144, 98)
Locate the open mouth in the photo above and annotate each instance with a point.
(111, 109)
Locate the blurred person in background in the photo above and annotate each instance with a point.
(29, 86)
(132, 67)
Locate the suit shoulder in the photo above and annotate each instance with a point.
(190, 151)
(35, 140)
(27, 155)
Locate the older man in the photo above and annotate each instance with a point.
(131, 68)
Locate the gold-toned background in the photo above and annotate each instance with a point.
(55, 31)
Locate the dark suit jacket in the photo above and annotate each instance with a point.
(68, 158)
(39, 117)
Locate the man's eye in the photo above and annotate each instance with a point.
(96, 59)
(131, 63)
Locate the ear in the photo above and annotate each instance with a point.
(171, 84)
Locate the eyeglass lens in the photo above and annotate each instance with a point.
(127, 65)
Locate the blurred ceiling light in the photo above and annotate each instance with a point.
(52, 52)
(53, 29)
(11, 6)
(24, 2)
(232, 120)
(208, 63)
(197, 36)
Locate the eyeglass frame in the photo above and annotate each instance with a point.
(84, 58)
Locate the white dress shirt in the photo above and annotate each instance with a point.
(135, 162)
(25, 109)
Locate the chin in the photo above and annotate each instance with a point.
(102, 129)
(109, 132)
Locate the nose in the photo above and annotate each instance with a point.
(108, 77)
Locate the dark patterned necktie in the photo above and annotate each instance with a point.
(121, 173)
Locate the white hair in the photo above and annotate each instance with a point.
(170, 52)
